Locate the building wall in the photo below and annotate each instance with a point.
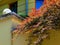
(5, 32)
(54, 38)
(21, 40)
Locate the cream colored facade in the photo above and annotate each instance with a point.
(6, 24)
(5, 32)
(54, 38)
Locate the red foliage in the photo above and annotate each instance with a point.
(37, 13)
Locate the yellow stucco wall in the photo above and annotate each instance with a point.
(21, 40)
(54, 38)
(5, 32)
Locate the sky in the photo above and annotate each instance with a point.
(39, 3)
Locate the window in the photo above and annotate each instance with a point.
(13, 6)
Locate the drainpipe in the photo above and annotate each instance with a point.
(26, 7)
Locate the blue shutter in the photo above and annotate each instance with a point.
(39, 3)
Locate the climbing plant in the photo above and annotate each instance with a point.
(40, 21)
